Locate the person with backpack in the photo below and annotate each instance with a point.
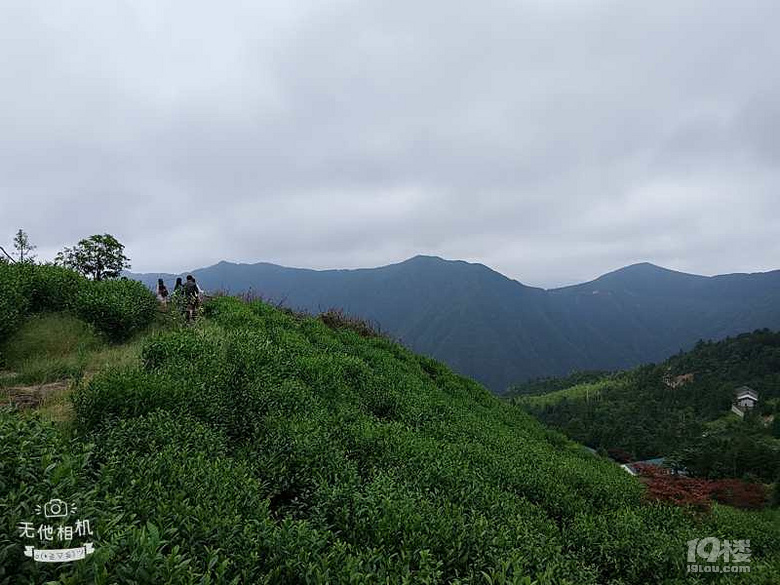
(191, 297)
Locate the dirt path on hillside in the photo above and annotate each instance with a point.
(32, 396)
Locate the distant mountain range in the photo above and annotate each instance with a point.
(499, 331)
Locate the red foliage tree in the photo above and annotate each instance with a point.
(699, 494)
(740, 494)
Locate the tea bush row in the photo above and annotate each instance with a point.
(172, 507)
(117, 308)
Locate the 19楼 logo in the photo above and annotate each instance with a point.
(711, 550)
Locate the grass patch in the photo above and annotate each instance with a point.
(586, 391)
(49, 336)
(48, 347)
(49, 401)
(42, 370)
(58, 346)
(114, 355)
(53, 353)
(57, 406)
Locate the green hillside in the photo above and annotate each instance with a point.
(261, 446)
(646, 414)
(498, 331)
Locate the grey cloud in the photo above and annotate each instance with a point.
(552, 140)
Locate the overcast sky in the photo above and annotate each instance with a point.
(552, 140)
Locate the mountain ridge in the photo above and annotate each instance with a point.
(628, 269)
(501, 331)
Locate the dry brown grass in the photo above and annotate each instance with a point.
(338, 319)
(51, 400)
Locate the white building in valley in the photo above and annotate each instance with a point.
(745, 399)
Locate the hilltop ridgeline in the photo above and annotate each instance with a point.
(500, 331)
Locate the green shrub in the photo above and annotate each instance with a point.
(232, 313)
(37, 462)
(183, 371)
(14, 298)
(117, 308)
(33, 288)
(124, 393)
(54, 288)
(185, 347)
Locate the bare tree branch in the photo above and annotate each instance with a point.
(11, 258)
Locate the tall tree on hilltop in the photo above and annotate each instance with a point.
(24, 248)
(98, 257)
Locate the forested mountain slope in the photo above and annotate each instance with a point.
(681, 404)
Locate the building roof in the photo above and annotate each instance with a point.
(746, 392)
(656, 461)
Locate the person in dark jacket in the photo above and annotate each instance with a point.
(191, 296)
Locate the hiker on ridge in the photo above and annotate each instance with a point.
(162, 292)
(191, 296)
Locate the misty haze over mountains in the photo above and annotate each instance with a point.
(500, 331)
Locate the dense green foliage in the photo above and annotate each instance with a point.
(14, 302)
(97, 257)
(641, 412)
(117, 308)
(731, 447)
(54, 288)
(501, 332)
(264, 447)
(27, 288)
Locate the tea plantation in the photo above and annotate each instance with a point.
(261, 446)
